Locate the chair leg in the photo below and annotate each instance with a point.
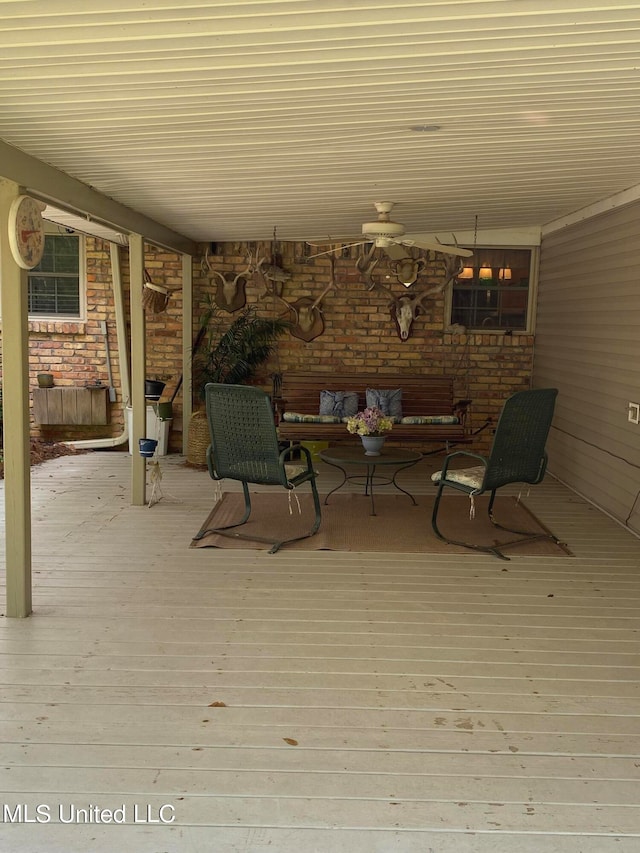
(275, 544)
(524, 535)
(487, 549)
(247, 512)
(316, 523)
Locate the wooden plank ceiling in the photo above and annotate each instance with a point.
(227, 121)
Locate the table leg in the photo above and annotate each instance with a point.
(340, 485)
(399, 488)
(371, 470)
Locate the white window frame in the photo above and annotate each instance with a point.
(52, 230)
(531, 295)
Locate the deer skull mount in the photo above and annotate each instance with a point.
(404, 309)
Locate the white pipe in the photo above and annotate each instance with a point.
(123, 356)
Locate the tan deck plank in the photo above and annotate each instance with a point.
(182, 751)
(54, 838)
(322, 788)
(384, 812)
(455, 678)
(444, 729)
(506, 662)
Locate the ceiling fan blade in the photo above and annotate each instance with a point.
(424, 241)
(334, 249)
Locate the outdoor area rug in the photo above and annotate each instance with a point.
(398, 526)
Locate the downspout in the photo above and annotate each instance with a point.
(123, 358)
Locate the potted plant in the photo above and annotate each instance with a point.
(371, 425)
(231, 356)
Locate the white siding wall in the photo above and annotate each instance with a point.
(588, 346)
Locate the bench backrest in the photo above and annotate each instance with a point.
(421, 395)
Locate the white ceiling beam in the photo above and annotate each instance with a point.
(49, 184)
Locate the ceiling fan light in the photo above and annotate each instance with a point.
(467, 273)
(504, 274)
(485, 273)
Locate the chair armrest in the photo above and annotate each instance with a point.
(303, 450)
(468, 454)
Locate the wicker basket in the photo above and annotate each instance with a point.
(155, 298)
(199, 439)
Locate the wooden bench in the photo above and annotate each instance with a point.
(422, 396)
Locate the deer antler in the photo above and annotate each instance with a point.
(453, 266)
(432, 291)
(289, 305)
(365, 265)
(332, 283)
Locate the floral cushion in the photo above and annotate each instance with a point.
(472, 477)
(342, 404)
(389, 401)
(298, 418)
(293, 471)
(430, 419)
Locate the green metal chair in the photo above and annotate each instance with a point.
(244, 447)
(517, 455)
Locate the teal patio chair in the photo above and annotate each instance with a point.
(517, 455)
(244, 447)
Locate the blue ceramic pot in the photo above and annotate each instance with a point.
(372, 444)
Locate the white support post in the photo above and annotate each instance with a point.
(15, 399)
(138, 368)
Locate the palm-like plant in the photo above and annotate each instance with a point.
(233, 356)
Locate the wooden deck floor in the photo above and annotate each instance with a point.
(368, 703)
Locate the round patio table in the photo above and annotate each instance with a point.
(342, 457)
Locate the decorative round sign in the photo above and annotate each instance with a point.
(26, 232)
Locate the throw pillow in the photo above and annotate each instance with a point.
(388, 401)
(341, 404)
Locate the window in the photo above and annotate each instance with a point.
(54, 285)
(494, 293)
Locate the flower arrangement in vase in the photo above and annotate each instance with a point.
(371, 425)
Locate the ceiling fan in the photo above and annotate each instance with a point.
(391, 237)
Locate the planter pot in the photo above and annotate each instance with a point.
(153, 389)
(148, 447)
(156, 427)
(45, 380)
(372, 444)
(164, 411)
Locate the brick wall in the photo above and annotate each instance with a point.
(74, 352)
(359, 332)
